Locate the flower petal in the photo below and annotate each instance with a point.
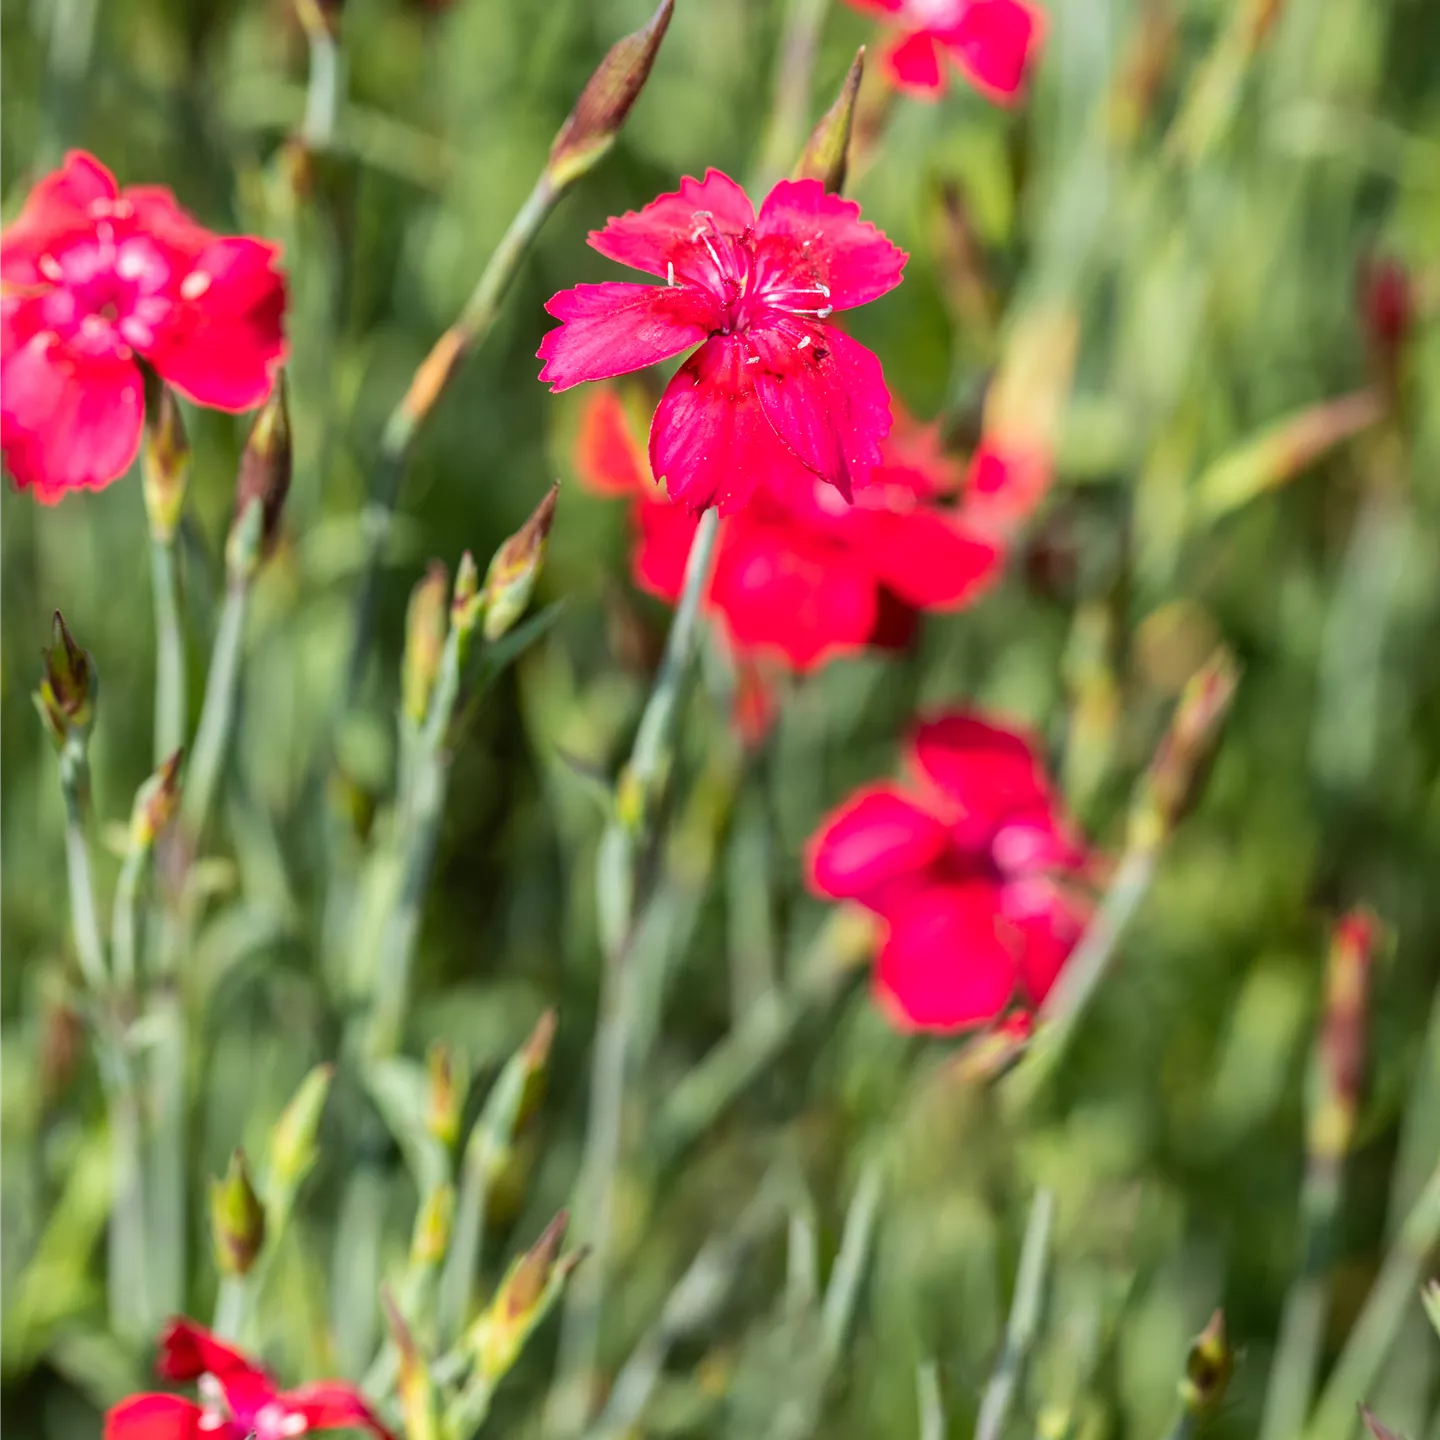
(925, 555)
(666, 232)
(613, 328)
(607, 458)
(1004, 485)
(333, 1405)
(158, 1417)
(912, 63)
(58, 208)
(710, 441)
(226, 341)
(825, 395)
(1048, 919)
(913, 459)
(792, 592)
(994, 43)
(188, 1350)
(157, 212)
(879, 836)
(810, 239)
(945, 964)
(663, 532)
(987, 773)
(70, 421)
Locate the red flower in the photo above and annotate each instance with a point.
(800, 575)
(992, 41)
(773, 395)
(241, 1399)
(975, 870)
(94, 276)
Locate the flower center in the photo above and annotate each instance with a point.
(107, 296)
(749, 293)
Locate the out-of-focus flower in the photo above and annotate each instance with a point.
(801, 576)
(242, 1401)
(975, 869)
(96, 278)
(993, 42)
(774, 396)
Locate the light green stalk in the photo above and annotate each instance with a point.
(170, 678)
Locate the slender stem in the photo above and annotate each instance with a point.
(1082, 974)
(841, 1294)
(167, 1086)
(84, 913)
(1024, 1320)
(426, 388)
(323, 92)
(170, 683)
(217, 715)
(1394, 1290)
(929, 1401)
(789, 108)
(125, 919)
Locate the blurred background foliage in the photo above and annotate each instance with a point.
(1200, 183)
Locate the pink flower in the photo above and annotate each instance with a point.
(241, 1400)
(994, 43)
(94, 277)
(975, 870)
(773, 395)
(801, 577)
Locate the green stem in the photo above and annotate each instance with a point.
(217, 715)
(789, 108)
(1081, 977)
(838, 1307)
(930, 1402)
(323, 91)
(409, 415)
(624, 850)
(1380, 1320)
(170, 684)
(1024, 1320)
(125, 919)
(84, 914)
(1184, 1426)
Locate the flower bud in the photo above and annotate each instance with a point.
(1208, 1367)
(534, 1061)
(1183, 756)
(510, 580)
(425, 628)
(164, 460)
(319, 19)
(419, 1401)
(66, 697)
(263, 483)
(1372, 1424)
(826, 155)
(155, 803)
(468, 600)
(445, 1097)
(525, 1295)
(606, 99)
(292, 1141)
(1341, 1048)
(431, 1236)
(237, 1219)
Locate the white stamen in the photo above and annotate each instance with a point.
(122, 209)
(753, 360)
(294, 1425)
(195, 284)
(130, 263)
(803, 343)
(670, 272)
(50, 268)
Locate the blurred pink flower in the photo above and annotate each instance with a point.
(94, 277)
(774, 395)
(241, 1399)
(993, 42)
(982, 883)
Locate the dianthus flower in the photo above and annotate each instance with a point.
(800, 576)
(774, 395)
(94, 280)
(241, 1401)
(993, 42)
(982, 884)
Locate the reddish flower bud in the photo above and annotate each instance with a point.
(826, 155)
(510, 580)
(1341, 1047)
(425, 627)
(445, 1094)
(263, 482)
(66, 697)
(606, 99)
(156, 802)
(237, 1219)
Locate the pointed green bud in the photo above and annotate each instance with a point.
(445, 1097)
(262, 484)
(237, 1219)
(66, 697)
(510, 580)
(1208, 1367)
(164, 460)
(155, 803)
(1177, 773)
(469, 600)
(431, 1236)
(826, 155)
(534, 1059)
(425, 628)
(419, 1399)
(606, 100)
(292, 1141)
